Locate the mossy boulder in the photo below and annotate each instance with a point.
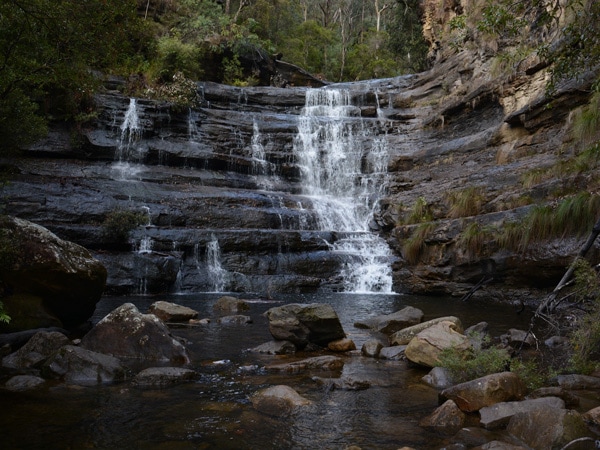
(44, 280)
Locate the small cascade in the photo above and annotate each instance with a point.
(145, 245)
(259, 162)
(192, 127)
(217, 275)
(131, 132)
(344, 173)
(127, 151)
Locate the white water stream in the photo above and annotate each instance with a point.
(344, 174)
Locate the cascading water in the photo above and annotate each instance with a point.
(131, 132)
(217, 275)
(344, 174)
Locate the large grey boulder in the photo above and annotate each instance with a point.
(549, 428)
(305, 323)
(485, 391)
(499, 414)
(390, 323)
(80, 366)
(52, 282)
(36, 350)
(127, 333)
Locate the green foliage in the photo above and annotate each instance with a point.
(530, 373)
(119, 224)
(474, 363)
(3, 316)
(413, 247)
(48, 47)
(175, 56)
(419, 213)
(586, 123)
(585, 339)
(182, 92)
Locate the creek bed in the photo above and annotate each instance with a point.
(215, 413)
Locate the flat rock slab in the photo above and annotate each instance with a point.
(24, 383)
(390, 323)
(172, 312)
(327, 362)
(275, 348)
(160, 377)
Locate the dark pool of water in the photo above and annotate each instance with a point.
(215, 413)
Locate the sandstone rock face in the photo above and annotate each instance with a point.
(426, 346)
(126, 333)
(405, 335)
(171, 312)
(56, 278)
(305, 323)
(390, 323)
(486, 391)
(80, 366)
(278, 400)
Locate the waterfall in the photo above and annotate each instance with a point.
(343, 171)
(131, 132)
(217, 275)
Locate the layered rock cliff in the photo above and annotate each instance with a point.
(222, 196)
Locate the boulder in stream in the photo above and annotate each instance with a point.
(549, 428)
(404, 336)
(390, 323)
(80, 366)
(40, 347)
(326, 362)
(230, 305)
(127, 333)
(302, 324)
(275, 348)
(172, 312)
(446, 419)
(160, 377)
(278, 400)
(485, 391)
(425, 347)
